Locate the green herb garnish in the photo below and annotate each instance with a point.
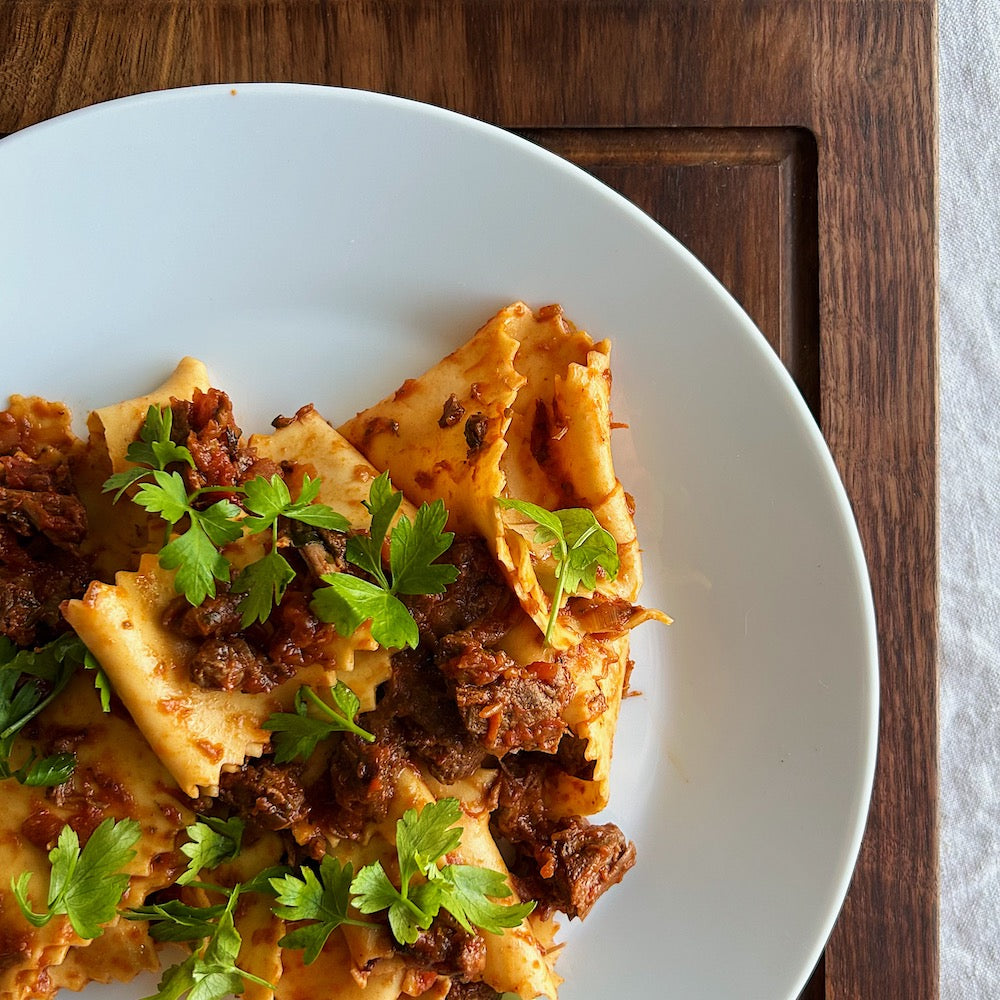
(30, 679)
(194, 551)
(85, 884)
(153, 450)
(349, 600)
(212, 841)
(264, 582)
(321, 897)
(467, 892)
(208, 973)
(297, 733)
(579, 547)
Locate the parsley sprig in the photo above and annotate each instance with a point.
(579, 545)
(193, 552)
(86, 884)
(202, 531)
(322, 899)
(297, 733)
(153, 450)
(177, 921)
(318, 898)
(349, 600)
(263, 583)
(467, 892)
(30, 679)
(211, 842)
(209, 972)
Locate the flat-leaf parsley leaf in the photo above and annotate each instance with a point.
(30, 679)
(211, 973)
(85, 884)
(349, 600)
(297, 734)
(467, 892)
(580, 546)
(263, 583)
(212, 841)
(320, 897)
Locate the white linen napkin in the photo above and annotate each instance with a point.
(969, 93)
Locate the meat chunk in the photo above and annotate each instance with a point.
(214, 617)
(448, 950)
(566, 863)
(34, 581)
(44, 490)
(205, 425)
(479, 596)
(362, 777)
(505, 705)
(230, 663)
(268, 795)
(255, 659)
(294, 636)
(457, 699)
(429, 721)
(42, 523)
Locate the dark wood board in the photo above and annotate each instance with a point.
(790, 143)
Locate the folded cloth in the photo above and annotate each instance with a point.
(969, 67)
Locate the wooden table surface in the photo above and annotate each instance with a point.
(789, 143)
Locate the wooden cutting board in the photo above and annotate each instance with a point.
(789, 143)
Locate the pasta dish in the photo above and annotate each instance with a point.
(322, 712)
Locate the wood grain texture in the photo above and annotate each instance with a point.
(689, 180)
(877, 211)
(666, 99)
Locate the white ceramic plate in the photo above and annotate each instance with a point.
(319, 245)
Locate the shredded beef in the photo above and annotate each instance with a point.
(566, 863)
(206, 427)
(214, 617)
(82, 801)
(35, 578)
(429, 721)
(363, 776)
(294, 636)
(472, 991)
(232, 664)
(39, 498)
(448, 950)
(505, 705)
(265, 794)
(255, 659)
(457, 699)
(480, 596)
(42, 523)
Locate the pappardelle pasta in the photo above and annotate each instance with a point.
(324, 712)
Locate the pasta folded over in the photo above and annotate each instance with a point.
(357, 684)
